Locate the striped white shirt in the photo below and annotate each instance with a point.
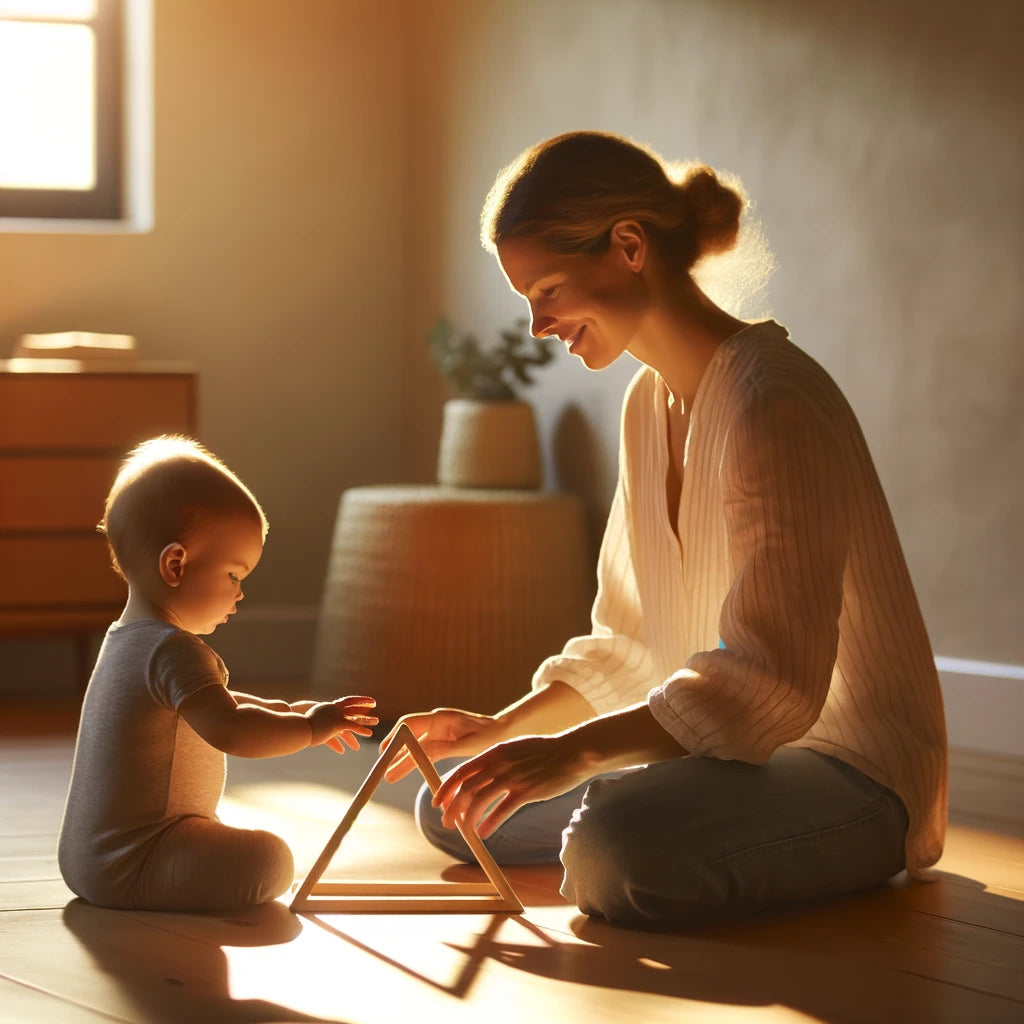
(781, 610)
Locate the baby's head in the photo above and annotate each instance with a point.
(183, 530)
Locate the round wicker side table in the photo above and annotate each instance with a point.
(440, 596)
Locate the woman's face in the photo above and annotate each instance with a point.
(594, 303)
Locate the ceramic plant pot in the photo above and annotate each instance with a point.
(489, 444)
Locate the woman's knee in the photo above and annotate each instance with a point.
(619, 869)
(597, 854)
(428, 820)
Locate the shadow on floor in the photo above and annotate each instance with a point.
(141, 951)
(890, 951)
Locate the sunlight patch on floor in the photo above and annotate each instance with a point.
(453, 968)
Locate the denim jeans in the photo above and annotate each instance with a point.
(689, 837)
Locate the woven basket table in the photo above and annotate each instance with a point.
(439, 596)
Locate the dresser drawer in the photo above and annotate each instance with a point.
(92, 410)
(47, 571)
(54, 493)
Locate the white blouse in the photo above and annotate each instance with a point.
(781, 610)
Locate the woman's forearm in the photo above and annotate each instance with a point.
(553, 708)
(621, 739)
(487, 789)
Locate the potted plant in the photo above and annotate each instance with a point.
(488, 435)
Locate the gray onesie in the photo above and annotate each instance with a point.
(140, 827)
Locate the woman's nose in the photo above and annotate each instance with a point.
(540, 326)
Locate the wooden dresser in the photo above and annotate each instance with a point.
(62, 436)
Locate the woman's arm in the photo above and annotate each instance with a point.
(786, 511)
(552, 708)
(451, 732)
(611, 666)
(489, 788)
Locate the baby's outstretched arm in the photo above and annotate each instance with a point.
(253, 730)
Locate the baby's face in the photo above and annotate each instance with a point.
(218, 557)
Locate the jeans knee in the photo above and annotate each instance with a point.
(617, 871)
(428, 820)
(596, 857)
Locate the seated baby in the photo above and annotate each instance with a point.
(140, 828)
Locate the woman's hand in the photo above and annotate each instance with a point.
(444, 732)
(488, 789)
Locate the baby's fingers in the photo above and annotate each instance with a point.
(341, 738)
(354, 703)
(347, 737)
(356, 726)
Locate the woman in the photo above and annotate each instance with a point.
(756, 643)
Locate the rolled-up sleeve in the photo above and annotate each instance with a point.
(611, 667)
(787, 535)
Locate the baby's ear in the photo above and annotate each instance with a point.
(172, 563)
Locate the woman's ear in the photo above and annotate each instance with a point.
(629, 238)
(172, 563)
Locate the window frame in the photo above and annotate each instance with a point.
(106, 200)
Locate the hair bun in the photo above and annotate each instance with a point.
(714, 210)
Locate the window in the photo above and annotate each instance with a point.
(65, 139)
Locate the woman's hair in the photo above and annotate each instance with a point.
(569, 191)
(165, 489)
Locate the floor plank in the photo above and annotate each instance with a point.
(23, 1003)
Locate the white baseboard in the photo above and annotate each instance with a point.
(986, 790)
(984, 705)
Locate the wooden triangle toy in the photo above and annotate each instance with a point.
(353, 897)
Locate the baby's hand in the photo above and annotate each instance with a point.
(338, 722)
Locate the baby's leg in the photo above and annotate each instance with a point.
(199, 864)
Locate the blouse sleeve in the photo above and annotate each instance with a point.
(611, 667)
(787, 528)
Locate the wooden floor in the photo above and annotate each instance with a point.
(950, 951)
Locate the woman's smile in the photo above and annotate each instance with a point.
(573, 340)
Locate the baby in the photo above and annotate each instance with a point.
(140, 826)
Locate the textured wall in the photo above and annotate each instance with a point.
(881, 142)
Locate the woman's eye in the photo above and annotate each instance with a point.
(550, 292)
(233, 578)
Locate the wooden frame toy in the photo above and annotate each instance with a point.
(350, 897)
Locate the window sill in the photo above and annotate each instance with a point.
(74, 226)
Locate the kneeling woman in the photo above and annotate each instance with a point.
(756, 645)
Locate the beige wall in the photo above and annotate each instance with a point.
(319, 171)
(882, 144)
(274, 265)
